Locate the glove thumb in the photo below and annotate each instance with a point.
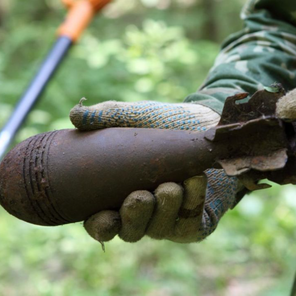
(145, 114)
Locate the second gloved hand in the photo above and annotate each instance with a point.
(184, 213)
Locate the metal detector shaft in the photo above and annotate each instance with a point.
(79, 16)
(31, 95)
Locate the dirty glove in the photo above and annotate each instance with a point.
(183, 213)
(286, 107)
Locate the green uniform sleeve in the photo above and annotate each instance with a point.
(262, 53)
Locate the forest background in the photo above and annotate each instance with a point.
(135, 50)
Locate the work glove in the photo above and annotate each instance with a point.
(183, 213)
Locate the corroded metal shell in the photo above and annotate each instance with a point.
(66, 176)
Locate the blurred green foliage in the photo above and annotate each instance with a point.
(136, 50)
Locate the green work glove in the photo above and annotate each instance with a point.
(183, 213)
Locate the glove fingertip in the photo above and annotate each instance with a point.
(103, 226)
(135, 213)
(169, 197)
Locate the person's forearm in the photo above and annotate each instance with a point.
(262, 53)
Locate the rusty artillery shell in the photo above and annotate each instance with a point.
(66, 176)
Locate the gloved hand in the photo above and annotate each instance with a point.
(183, 213)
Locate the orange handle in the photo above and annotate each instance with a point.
(79, 16)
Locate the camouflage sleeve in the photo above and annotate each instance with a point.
(262, 53)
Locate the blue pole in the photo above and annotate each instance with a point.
(33, 92)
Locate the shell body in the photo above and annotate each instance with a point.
(66, 176)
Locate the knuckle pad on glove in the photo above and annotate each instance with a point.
(190, 214)
(194, 196)
(200, 214)
(103, 226)
(135, 214)
(169, 197)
